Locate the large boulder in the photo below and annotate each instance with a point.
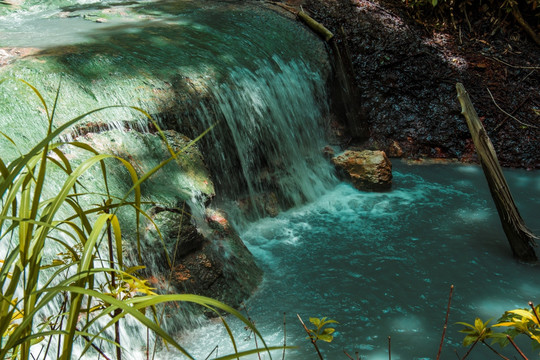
(184, 246)
(367, 170)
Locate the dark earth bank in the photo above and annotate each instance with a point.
(406, 71)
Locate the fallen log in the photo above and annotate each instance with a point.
(521, 239)
(317, 27)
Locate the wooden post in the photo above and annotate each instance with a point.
(520, 237)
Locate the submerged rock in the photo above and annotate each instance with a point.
(263, 204)
(367, 169)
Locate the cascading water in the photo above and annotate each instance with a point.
(380, 264)
(265, 97)
(256, 77)
(269, 134)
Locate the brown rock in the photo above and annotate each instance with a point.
(208, 259)
(394, 150)
(367, 170)
(264, 204)
(8, 55)
(328, 152)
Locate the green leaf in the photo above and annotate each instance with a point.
(315, 321)
(469, 339)
(465, 324)
(327, 338)
(330, 322)
(499, 338)
(525, 313)
(478, 324)
(328, 331)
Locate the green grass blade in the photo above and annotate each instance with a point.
(102, 164)
(39, 147)
(36, 91)
(231, 336)
(60, 154)
(53, 111)
(3, 169)
(124, 306)
(254, 351)
(141, 302)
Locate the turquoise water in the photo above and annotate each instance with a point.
(379, 263)
(257, 78)
(382, 264)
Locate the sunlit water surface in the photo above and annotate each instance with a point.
(382, 265)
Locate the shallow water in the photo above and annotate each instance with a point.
(382, 265)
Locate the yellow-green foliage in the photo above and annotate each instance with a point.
(321, 331)
(516, 322)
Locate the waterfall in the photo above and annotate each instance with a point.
(269, 133)
(257, 79)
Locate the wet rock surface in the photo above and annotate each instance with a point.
(185, 178)
(407, 75)
(264, 204)
(209, 259)
(135, 53)
(367, 170)
(196, 250)
(8, 55)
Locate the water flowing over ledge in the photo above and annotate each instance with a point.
(381, 264)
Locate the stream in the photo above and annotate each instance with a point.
(381, 264)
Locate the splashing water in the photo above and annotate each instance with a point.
(382, 265)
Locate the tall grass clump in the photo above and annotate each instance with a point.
(81, 293)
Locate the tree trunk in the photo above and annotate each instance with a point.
(520, 237)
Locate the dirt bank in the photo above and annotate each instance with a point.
(406, 73)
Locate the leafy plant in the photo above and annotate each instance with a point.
(479, 331)
(321, 332)
(518, 321)
(90, 293)
(522, 321)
